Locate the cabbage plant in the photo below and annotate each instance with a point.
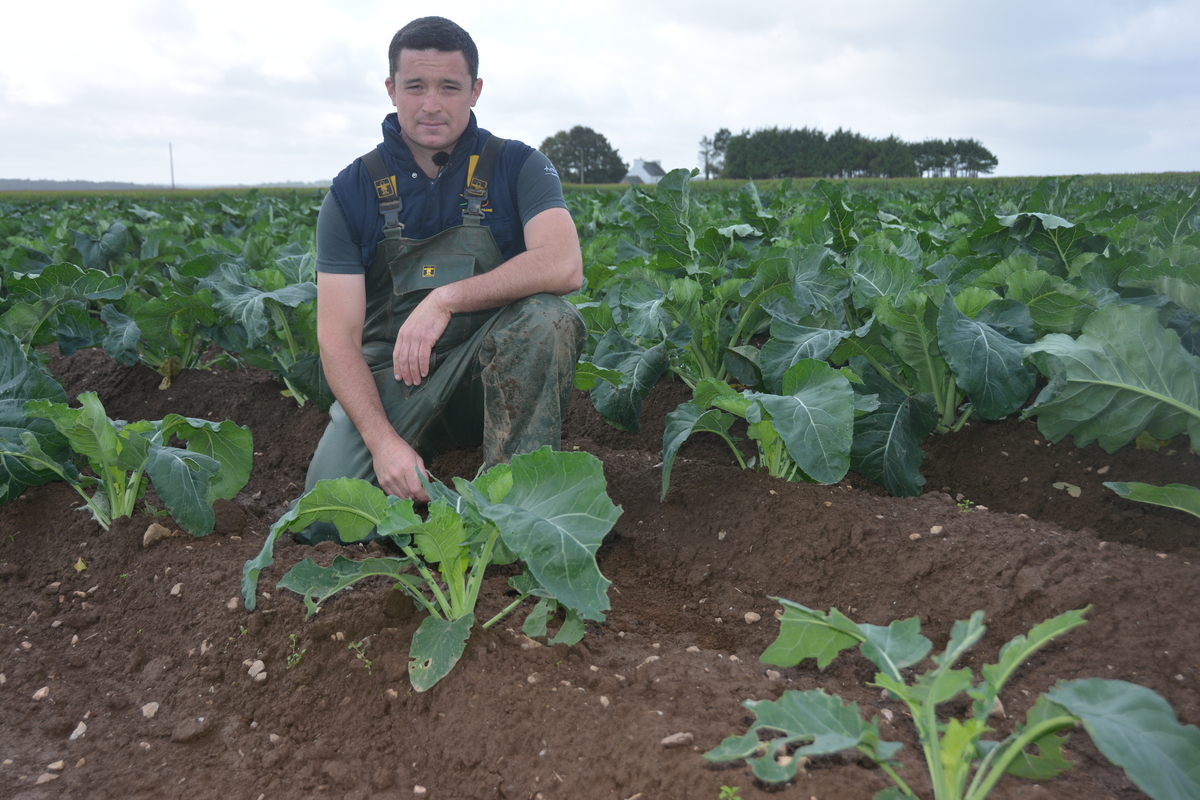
(549, 510)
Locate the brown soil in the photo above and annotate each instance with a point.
(518, 721)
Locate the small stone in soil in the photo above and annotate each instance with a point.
(752, 617)
(41, 693)
(232, 604)
(79, 731)
(678, 739)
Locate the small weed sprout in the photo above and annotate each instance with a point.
(293, 659)
(729, 793)
(360, 652)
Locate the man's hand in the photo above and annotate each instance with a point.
(396, 467)
(415, 341)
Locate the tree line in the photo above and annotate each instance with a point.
(808, 152)
(581, 155)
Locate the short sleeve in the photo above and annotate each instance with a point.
(336, 250)
(538, 187)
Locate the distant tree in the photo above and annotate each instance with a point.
(973, 158)
(850, 155)
(707, 158)
(583, 156)
(893, 159)
(932, 158)
(720, 143)
(712, 153)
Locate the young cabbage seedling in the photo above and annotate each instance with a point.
(1131, 725)
(549, 510)
(125, 456)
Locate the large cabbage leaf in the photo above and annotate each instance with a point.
(1125, 374)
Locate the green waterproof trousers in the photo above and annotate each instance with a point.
(501, 378)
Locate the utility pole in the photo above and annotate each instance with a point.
(171, 153)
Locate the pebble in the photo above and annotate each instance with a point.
(232, 604)
(79, 764)
(997, 711)
(45, 777)
(692, 649)
(604, 701)
(275, 738)
(176, 589)
(79, 731)
(3, 679)
(773, 675)
(154, 533)
(935, 530)
(752, 617)
(260, 677)
(419, 791)
(392, 694)
(532, 678)
(58, 765)
(149, 710)
(678, 739)
(41, 693)
(257, 667)
(914, 537)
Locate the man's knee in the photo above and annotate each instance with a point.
(543, 321)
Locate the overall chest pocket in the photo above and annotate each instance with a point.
(424, 271)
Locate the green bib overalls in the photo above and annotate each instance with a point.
(500, 377)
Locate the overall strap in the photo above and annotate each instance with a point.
(385, 190)
(478, 176)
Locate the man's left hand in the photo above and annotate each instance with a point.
(414, 342)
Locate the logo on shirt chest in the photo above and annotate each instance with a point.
(428, 271)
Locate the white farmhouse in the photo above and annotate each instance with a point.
(643, 172)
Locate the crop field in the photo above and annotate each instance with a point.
(961, 413)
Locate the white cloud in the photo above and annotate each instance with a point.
(254, 91)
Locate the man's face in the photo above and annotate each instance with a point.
(433, 95)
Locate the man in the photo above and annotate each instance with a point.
(439, 317)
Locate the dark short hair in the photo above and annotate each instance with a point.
(433, 33)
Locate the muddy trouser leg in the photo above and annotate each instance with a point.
(507, 386)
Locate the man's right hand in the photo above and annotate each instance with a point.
(396, 467)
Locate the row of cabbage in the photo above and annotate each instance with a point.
(178, 285)
(182, 284)
(844, 327)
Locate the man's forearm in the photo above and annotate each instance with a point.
(353, 385)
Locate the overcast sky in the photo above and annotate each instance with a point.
(253, 92)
